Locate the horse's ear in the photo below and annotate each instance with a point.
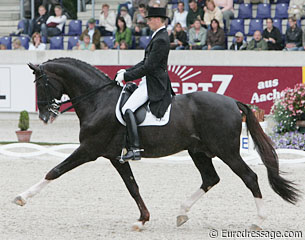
(35, 68)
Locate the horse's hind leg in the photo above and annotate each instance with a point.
(78, 157)
(209, 179)
(130, 182)
(249, 177)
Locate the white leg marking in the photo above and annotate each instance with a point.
(186, 206)
(32, 191)
(260, 210)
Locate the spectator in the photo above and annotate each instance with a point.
(124, 13)
(239, 43)
(54, 24)
(93, 32)
(123, 45)
(272, 36)
(216, 39)
(86, 44)
(36, 43)
(226, 7)
(107, 21)
(178, 38)
(104, 46)
(2, 47)
(197, 36)
(35, 24)
(50, 5)
(160, 3)
(257, 43)
(194, 13)
(17, 44)
(122, 33)
(179, 17)
(136, 3)
(139, 21)
(296, 9)
(293, 36)
(211, 11)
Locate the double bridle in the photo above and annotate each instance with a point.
(54, 104)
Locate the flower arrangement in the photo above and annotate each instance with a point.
(259, 113)
(290, 140)
(289, 108)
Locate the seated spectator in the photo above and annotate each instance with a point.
(227, 9)
(293, 36)
(194, 13)
(296, 9)
(107, 21)
(178, 38)
(160, 3)
(122, 33)
(179, 17)
(123, 45)
(197, 36)
(302, 48)
(211, 11)
(54, 24)
(50, 5)
(272, 36)
(104, 46)
(34, 25)
(124, 13)
(140, 26)
(239, 43)
(216, 39)
(2, 47)
(257, 43)
(36, 43)
(93, 32)
(16, 44)
(86, 44)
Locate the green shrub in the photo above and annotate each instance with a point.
(24, 121)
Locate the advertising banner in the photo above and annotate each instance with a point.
(253, 85)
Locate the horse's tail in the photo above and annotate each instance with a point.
(263, 144)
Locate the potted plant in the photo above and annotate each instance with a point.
(24, 123)
(259, 113)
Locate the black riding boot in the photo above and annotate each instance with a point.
(133, 137)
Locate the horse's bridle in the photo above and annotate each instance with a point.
(54, 104)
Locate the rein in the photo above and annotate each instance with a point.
(54, 104)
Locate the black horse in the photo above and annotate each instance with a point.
(205, 124)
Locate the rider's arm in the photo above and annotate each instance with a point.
(151, 63)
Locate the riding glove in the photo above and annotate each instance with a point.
(120, 77)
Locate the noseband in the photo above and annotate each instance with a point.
(54, 104)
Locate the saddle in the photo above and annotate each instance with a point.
(143, 115)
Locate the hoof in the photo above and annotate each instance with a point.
(137, 227)
(254, 227)
(19, 201)
(181, 219)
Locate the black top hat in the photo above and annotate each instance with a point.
(156, 12)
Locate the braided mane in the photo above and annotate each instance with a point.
(79, 62)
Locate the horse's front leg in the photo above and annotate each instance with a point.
(79, 156)
(130, 182)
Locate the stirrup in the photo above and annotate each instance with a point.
(134, 158)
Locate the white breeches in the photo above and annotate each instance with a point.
(138, 98)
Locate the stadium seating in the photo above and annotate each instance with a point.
(245, 10)
(255, 24)
(144, 40)
(72, 41)
(7, 41)
(281, 10)
(25, 42)
(237, 25)
(21, 24)
(263, 11)
(278, 23)
(57, 43)
(75, 28)
(109, 40)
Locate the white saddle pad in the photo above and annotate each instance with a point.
(150, 119)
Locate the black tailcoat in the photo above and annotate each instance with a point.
(154, 67)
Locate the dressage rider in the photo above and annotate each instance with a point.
(155, 85)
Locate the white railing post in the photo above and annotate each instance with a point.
(32, 9)
(93, 9)
(21, 9)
